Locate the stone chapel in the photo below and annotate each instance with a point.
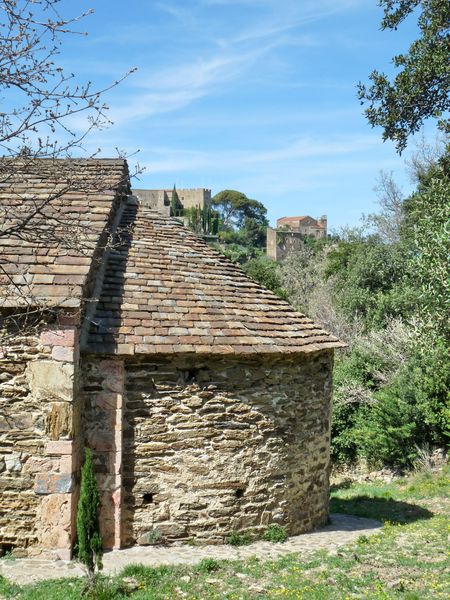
(204, 397)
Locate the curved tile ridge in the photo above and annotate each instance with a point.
(167, 291)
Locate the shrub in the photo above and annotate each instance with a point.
(387, 432)
(391, 397)
(408, 413)
(208, 565)
(237, 539)
(275, 533)
(154, 537)
(355, 379)
(267, 273)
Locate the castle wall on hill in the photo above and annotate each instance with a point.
(160, 200)
(191, 198)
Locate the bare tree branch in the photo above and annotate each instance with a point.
(38, 101)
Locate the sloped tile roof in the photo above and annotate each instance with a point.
(288, 220)
(166, 291)
(63, 207)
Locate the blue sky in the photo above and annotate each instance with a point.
(254, 95)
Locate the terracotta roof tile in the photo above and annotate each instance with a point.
(166, 291)
(49, 260)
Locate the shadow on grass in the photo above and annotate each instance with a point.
(342, 485)
(382, 509)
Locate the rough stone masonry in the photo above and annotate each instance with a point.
(204, 397)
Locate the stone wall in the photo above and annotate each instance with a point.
(22, 434)
(156, 199)
(210, 445)
(38, 425)
(280, 243)
(160, 200)
(190, 198)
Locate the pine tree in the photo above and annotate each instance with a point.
(90, 549)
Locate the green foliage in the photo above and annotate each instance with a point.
(236, 252)
(266, 272)
(371, 280)
(386, 410)
(242, 221)
(8, 589)
(429, 226)
(352, 376)
(106, 588)
(389, 430)
(391, 386)
(237, 539)
(89, 545)
(175, 204)
(384, 418)
(154, 536)
(234, 208)
(253, 233)
(204, 221)
(421, 87)
(147, 576)
(208, 565)
(275, 533)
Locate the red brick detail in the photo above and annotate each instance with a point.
(59, 447)
(58, 337)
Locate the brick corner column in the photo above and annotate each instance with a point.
(104, 433)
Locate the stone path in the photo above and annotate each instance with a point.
(342, 530)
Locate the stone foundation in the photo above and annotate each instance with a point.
(209, 445)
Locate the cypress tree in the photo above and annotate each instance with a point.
(175, 203)
(209, 221)
(90, 547)
(204, 220)
(215, 224)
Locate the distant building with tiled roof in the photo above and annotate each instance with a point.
(306, 225)
(204, 397)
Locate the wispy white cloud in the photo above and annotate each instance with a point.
(154, 91)
(172, 89)
(277, 17)
(170, 160)
(199, 73)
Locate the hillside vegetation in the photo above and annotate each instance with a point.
(384, 289)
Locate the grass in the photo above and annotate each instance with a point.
(408, 559)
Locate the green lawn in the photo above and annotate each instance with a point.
(409, 558)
